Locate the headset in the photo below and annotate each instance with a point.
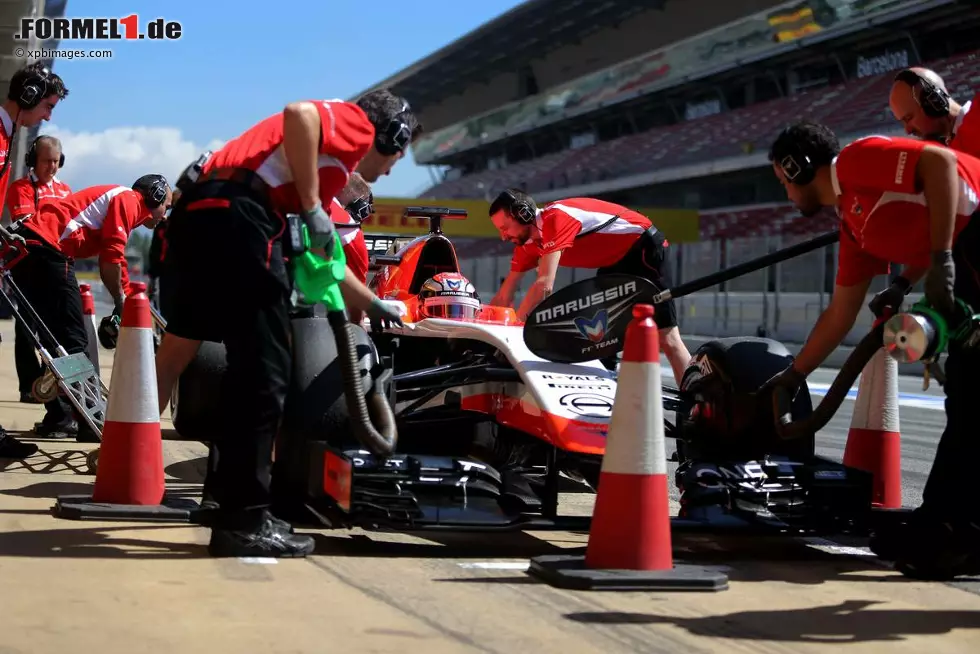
(153, 188)
(31, 157)
(933, 99)
(522, 210)
(397, 134)
(33, 89)
(798, 167)
(359, 209)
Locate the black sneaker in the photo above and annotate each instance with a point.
(11, 448)
(28, 398)
(267, 540)
(65, 430)
(206, 515)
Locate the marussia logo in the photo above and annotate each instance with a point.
(594, 329)
(454, 284)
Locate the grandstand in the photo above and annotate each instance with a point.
(673, 103)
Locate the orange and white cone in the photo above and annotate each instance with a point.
(874, 439)
(130, 469)
(631, 520)
(629, 541)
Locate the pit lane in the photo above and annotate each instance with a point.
(441, 592)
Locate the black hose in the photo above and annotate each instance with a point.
(364, 413)
(787, 429)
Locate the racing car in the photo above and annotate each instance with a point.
(492, 424)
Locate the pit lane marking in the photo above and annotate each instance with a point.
(495, 565)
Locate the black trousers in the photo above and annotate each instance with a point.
(648, 258)
(951, 491)
(47, 279)
(28, 366)
(225, 265)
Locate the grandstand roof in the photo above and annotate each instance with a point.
(528, 30)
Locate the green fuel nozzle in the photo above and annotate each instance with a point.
(318, 279)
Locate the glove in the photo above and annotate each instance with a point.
(939, 282)
(108, 331)
(890, 298)
(14, 239)
(383, 316)
(789, 379)
(322, 232)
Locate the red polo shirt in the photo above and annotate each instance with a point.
(346, 136)
(22, 193)
(352, 236)
(589, 233)
(96, 221)
(884, 217)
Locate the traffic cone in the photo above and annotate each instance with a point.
(874, 439)
(91, 328)
(129, 481)
(629, 544)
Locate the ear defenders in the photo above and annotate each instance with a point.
(798, 167)
(933, 99)
(153, 188)
(397, 134)
(33, 89)
(30, 159)
(359, 209)
(522, 210)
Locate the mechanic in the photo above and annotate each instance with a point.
(348, 210)
(229, 225)
(96, 221)
(32, 95)
(43, 159)
(584, 233)
(915, 203)
(920, 101)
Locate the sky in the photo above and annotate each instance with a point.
(154, 106)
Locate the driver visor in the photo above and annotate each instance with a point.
(455, 308)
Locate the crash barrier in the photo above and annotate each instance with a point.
(630, 545)
(129, 481)
(91, 328)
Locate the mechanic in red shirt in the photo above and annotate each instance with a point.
(906, 201)
(44, 158)
(32, 95)
(584, 233)
(920, 101)
(94, 222)
(352, 206)
(347, 211)
(227, 230)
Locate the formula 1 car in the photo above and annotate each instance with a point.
(494, 417)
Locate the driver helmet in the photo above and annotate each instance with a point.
(450, 296)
